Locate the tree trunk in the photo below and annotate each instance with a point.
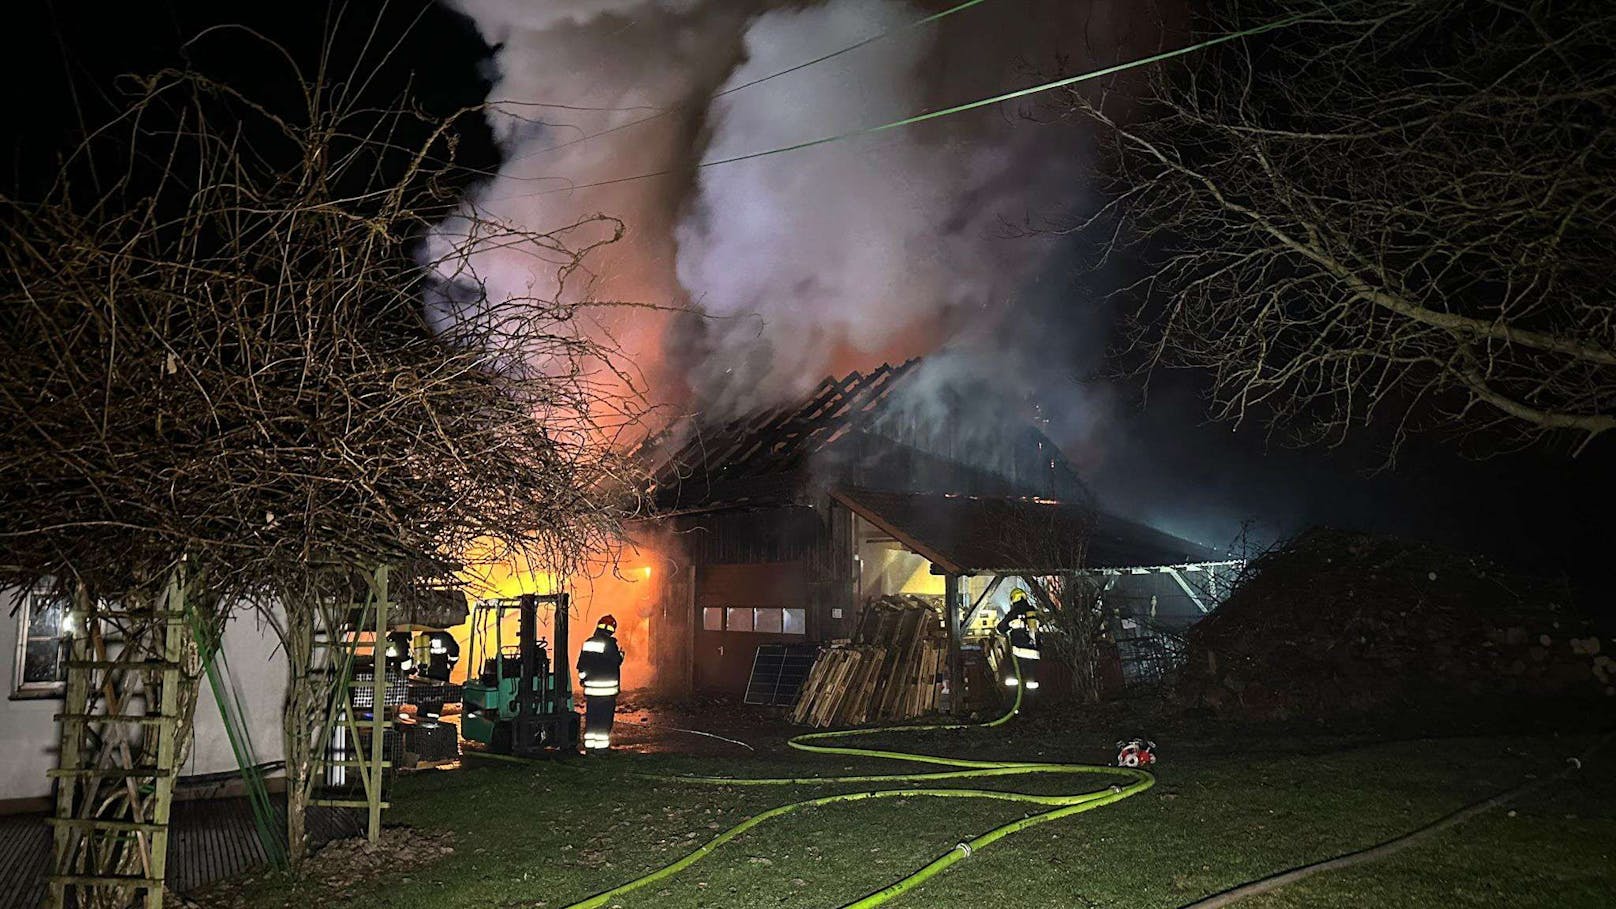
(303, 703)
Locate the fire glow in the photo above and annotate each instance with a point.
(617, 583)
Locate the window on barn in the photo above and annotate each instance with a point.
(794, 621)
(760, 619)
(767, 620)
(43, 628)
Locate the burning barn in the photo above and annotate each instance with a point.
(781, 527)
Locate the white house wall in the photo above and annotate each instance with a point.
(29, 734)
(257, 667)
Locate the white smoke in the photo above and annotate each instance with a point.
(500, 19)
(795, 265)
(564, 72)
(812, 256)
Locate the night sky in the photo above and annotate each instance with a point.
(1165, 463)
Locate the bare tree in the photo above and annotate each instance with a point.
(1051, 549)
(227, 345)
(1398, 209)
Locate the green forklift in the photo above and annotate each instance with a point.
(518, 699)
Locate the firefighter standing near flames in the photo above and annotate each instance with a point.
(1020, 625)
(600, 665)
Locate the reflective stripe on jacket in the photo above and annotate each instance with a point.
(599, 664)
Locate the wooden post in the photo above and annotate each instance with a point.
(345, 637)
(175, 629)
(378, 707)
(692, 623)
(67, 840)
(956, 678)
(90, 761)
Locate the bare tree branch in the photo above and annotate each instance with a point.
(1401, 209)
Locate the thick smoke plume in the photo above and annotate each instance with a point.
(565, 72)
(789, 267)
(826, 258)
(795, 266)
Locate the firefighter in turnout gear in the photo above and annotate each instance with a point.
(1020, 625)
(400, 652)
(600, 671)
(443, 652)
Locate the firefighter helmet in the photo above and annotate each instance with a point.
(1018, 596)
(607, 624)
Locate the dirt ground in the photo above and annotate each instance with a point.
(709, 727)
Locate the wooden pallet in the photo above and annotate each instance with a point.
(887, 672)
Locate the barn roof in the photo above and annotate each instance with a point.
(972, 534)
(1008, 503)
(777, 441)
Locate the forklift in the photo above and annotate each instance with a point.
(519, 702)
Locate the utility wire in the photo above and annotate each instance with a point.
(932, 115)
(758, 81)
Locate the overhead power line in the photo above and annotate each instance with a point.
(745, 85)
(931, 115)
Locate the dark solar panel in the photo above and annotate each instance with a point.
(778, 671)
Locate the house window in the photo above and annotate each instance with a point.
(739, 618)
(767, 620)
(712, 618)
(43, 628)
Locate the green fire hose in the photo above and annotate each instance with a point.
(1058, 806)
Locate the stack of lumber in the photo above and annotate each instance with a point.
(888, 671)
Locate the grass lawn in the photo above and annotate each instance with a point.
(549, 834)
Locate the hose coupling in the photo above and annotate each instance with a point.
(964, 847)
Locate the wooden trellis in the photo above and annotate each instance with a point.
(348, 742)
(126, 691)
(119, 748)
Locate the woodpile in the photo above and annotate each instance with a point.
(1336, 622)
(890, 670)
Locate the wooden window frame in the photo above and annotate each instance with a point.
(21, 688)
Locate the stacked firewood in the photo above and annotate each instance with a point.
(888, 671)
(1336, 622)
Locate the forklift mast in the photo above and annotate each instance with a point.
(537, 703)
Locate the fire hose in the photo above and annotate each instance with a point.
(1057, 806)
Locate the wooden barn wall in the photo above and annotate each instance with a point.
(820, 536)
(790, 556)
(673, 630)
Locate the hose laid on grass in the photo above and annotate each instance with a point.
(1395, 844)
(1058, 806)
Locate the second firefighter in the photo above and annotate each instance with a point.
(1020, 625)
(600, 666)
